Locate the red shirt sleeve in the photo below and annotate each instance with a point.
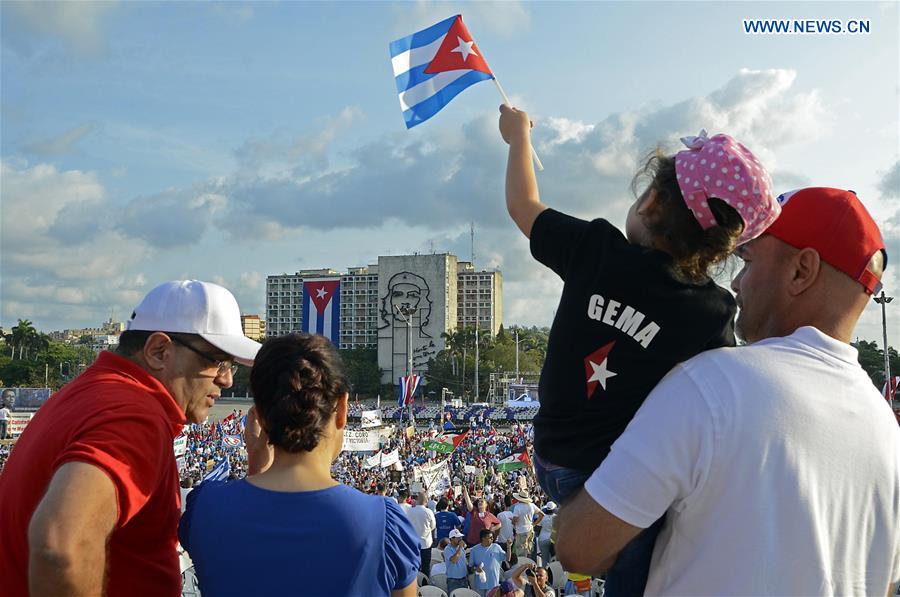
(130, 445)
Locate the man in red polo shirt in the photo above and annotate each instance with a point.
(89, 498)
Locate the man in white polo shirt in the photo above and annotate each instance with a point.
(777, 463)
(425, 524)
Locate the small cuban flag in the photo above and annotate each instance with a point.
(432, 66)
(408, 386)
(220, 472)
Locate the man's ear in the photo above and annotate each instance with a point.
(340, 415)
(157, 350)
(805, 267)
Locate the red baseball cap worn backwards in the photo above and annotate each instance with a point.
(835, 224)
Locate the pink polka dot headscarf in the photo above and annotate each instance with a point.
(719, 166)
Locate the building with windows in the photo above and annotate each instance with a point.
(479, 298)
(400, 306)
(254, 327)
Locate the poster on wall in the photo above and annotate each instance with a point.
(24, 400)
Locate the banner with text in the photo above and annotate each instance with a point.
(361, 441)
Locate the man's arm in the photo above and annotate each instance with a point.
(69, 531)
(407, 591)
(589, 536)
(459, 552)
(523, 201)
(516, 576)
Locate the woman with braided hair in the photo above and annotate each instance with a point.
(289, 522)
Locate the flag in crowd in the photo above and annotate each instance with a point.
(408, 386)
(434, 477)
(232, 441)
(433, 66)
(445, 443)
(514, 462)
(321, 308)
(370, 418)
(220, 472)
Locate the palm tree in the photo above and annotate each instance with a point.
(22, 335)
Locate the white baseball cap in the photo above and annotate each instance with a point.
(454, 534)
(193, 307)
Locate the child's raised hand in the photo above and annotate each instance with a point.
(514, 124)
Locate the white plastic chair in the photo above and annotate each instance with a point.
(524, 560)
(422, 579)
(436, 555)
(431, 591)
(464, 593)
(557, 576)
(597, 587)
(439, 580)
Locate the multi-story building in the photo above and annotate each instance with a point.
(284, 300)
(254, 327)
(382, 306)
(479, 298)
(359, 307)
(72, 336)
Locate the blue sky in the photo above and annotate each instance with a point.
(147, 141)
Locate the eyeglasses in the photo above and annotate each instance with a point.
(221, 366)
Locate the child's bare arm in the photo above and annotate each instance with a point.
(523, 199)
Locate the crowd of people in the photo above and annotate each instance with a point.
(682, 462)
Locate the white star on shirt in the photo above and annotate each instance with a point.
(464, 48)
(601, 373)
(320, 293)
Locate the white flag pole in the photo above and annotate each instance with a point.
(534, 155)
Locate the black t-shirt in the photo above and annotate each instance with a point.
(624, 320)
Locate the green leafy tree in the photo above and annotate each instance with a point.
(362, 369)
(871, 358)
(454, 367)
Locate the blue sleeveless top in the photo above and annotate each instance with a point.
(245, 540)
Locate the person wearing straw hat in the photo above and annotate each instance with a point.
(90, 497)
(524, 513)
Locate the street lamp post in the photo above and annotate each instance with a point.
(882, 300)
(406, 313)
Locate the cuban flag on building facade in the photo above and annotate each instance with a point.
(322, 308)
(408, 386)
(433, 66)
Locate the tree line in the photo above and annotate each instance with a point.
(30, 358)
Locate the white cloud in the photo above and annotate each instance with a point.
(889, 185)
(61, 144)
(78, 25)
(55, 264)
(283, 186)
(282, 156)
(501, 18)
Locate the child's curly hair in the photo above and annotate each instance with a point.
(694, 250)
